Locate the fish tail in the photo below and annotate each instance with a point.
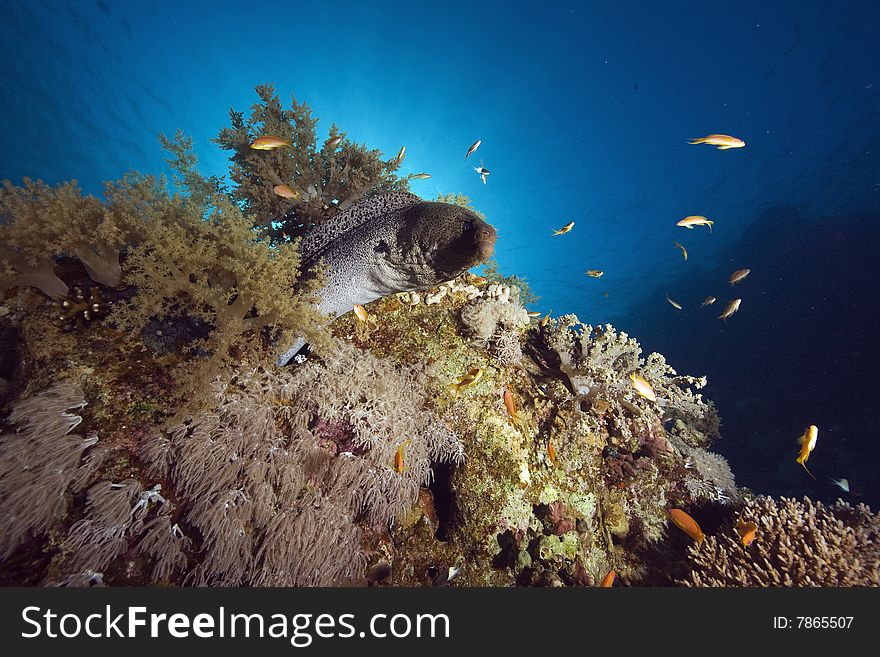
(804, 463)
(710, 226)
(698, 140)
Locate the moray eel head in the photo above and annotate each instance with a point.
(439, 241)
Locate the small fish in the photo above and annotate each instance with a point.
(723, 142)
(511, 407)
(608, 580)
(731, 308)
(684, 251)
(605, 294)
(546, 320)
(747, 531)
(398, 457)
(473, 148)
(643, 388)
(473, 375)
(695, 220)
(567, 227)
(708, 301)
(333, 142)
(400, 155)
(686, 524)
(675, 304)
(285, 191)
(361, 313)
(268, 142)
(595, 273)
(483, 171)
(842, 484)
(533, 314)
(420, 176)
(808, 444)
(738, 275)
(551, 454)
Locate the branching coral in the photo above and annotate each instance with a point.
(797, 544)
(275, 476)
(323, 179)
(41, 462)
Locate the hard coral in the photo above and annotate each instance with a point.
(798, 544)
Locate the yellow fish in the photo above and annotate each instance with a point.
(643, 388)
(746, 531)
(398, 457)
(268, 142)
(731, 308)
(333, 142)
(533, 314)
(608, 580)
(695, 220)
(708, 301)
(567, 227)
(686, 524)
(684, 251)
(473, 375)
(723, 142)
(546, 320)
(675, 304)
(473, 147)
(595, 273)
(738, 275)
(361, 313)
(284, 191)
(511, 407)
(808, 444)
(420, 176)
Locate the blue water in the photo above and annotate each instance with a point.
(584, 111)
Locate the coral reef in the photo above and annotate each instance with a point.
(149, 322)
(797, 544)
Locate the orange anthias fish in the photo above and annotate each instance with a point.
(686, 524)
(675, 304)
(361, 312)
(400, 155)
(643, 388)
(551, 454)
(398, 457)
(511, 407)
(723, 142)
(738, 275)
(567, 227)
(595, 273)
(695, 220)
(808, 444)
(684, 251)
(269, 142)
(333, 142)
(285, 191)
(608, 581)
(747, 531)
(420, 176)
(731, 308)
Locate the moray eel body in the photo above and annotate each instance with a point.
(388, 243)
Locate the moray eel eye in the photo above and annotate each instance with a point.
(468, 225)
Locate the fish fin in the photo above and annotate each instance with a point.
(724, 148)
(804, 463)
(696, 141)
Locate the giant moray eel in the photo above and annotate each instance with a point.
(392, 242)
